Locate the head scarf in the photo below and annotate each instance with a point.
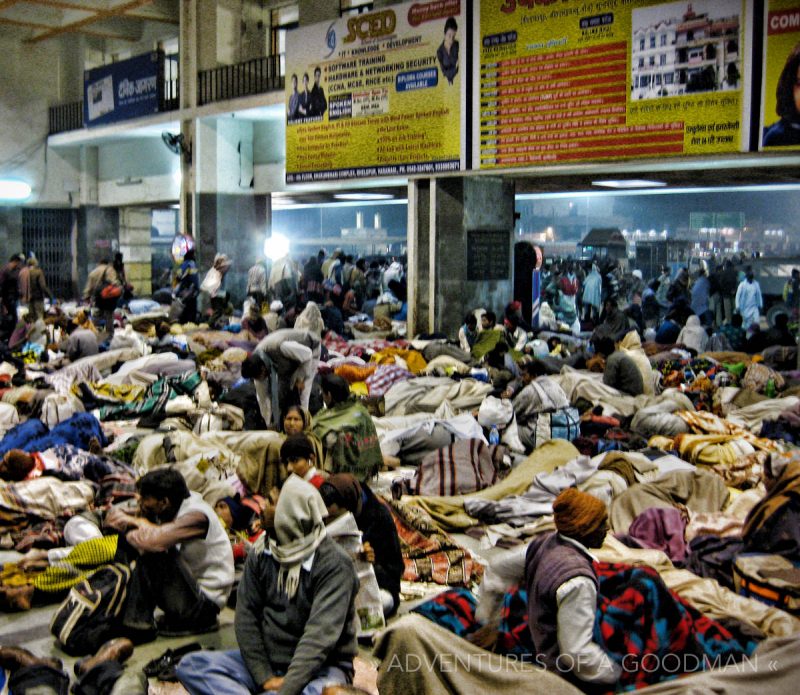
(310, 320)
(349, 490)
(578, 514)
(299, 530)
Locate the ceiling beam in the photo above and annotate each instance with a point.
(48, 27)
(153, 18)
(76, 26)
(62, 5)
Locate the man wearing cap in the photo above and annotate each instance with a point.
(273, 319)
(562, 591)
(282, 368)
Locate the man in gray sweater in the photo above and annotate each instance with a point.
(295, 611)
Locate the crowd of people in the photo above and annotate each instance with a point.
(615, 484)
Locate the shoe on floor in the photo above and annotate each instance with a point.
(13, 658)
(118, 649)
(169, 658)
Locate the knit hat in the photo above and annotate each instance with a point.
(296, 446)
(299, 530)
(578, 514)
(345, 491)
(242, 515)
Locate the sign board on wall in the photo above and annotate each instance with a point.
(121, 91)
(780, 103)
(377, 94)
(583, 80)
(488, 254)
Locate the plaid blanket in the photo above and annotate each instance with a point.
(384, 377)
(652, 632)
(429, 554)
(454, 610)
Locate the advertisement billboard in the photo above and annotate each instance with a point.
(589, 80)
(121, 91)
(780, 102)
(377, 94)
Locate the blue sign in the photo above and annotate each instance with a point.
(121, 91)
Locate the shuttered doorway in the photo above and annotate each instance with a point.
(47, 233)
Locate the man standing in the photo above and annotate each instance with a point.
(700, 294)
(103, 274)
(295, 610)
(184, 564)
(283, 363)
(9, 286)
(562, 591)
(33, 289)
(748, 299)
(728, 284)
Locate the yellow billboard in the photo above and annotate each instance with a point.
(780, 103)
(377, 94)
(564, 81)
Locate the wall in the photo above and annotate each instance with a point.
(29, 84)
(147, 160)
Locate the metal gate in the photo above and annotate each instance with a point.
(47, 233)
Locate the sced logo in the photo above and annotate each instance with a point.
(370, 26)
(330, 39)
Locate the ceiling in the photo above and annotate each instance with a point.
(40, 20)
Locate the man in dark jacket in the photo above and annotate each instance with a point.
(562, 591)
(295, 610)
(9, 287)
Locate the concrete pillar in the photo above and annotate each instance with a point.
(313, 11)
(190, 39)
(89, 173)
(419, 235)
(134, 245)
(460, 249)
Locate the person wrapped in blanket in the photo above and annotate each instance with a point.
(562, 590)
(347, 432)
(381, 545)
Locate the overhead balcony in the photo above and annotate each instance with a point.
(256, 76)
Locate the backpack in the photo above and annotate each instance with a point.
(87, 617)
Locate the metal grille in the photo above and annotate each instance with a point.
(47, 233)
(64, 117)
(242, 79)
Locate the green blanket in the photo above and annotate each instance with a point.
(350, 440)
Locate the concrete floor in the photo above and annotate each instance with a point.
(31, 630)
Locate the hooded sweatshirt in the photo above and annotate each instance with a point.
(693, 335)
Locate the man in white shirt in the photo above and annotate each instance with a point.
(562, 591)
(283, 363)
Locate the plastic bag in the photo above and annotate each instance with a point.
(495, 411)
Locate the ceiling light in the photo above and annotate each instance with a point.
(13, 189)
(629, 183)
(363, 196)
(276, 246)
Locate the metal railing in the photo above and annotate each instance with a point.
(254, 76)
(64, 117)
